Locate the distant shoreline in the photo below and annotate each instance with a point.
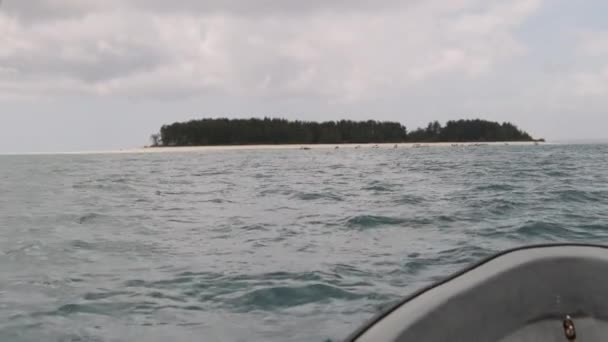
(348, 145)
(178, 149)
(219, 148)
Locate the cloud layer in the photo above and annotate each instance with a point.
(407, 60)
(338, 49)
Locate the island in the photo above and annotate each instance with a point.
(272, 131)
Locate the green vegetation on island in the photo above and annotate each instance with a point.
(469, 131)
(224, 131)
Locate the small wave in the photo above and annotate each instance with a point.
(187, 278)
(171, 282)
(189, 192)
(255, 227)
(447, 218)
(557, 173)
(91, 217)
(463, 255)
(379, 187)
(120, 180)
(135, 283)
(350, 270)
(103, 295)
(218, 201)
(594, 227)
(307, 196)
(416, 265)
(274, 192)
(544, 230)
(160, 295)
(110, 185)
(278, 276)
(308, 248)
(535, 228)
(495, 188)
(185, 221)
(286, 296)
(210, 173)
(105, 309)
(80, 244)
(410, 199)
(267, 287)
(529, 175)
(337, 166)
(24, 248)
(580, 196)
(373, 221)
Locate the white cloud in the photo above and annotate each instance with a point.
(315, 49)
(46, 9)
(593, 43)
(593, 83)
(590, 78)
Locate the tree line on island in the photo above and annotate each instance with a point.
(223, 131)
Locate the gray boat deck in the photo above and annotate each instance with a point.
(521, 295)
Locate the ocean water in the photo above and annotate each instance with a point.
(269, 245)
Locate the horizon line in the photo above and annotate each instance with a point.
(144, 149)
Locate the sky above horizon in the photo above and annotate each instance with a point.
(98, 75)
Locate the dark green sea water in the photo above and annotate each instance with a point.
(283, 245)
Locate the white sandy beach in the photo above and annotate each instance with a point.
(201, 149)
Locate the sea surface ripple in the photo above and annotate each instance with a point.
(269, 245)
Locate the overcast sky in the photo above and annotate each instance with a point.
(105, 74)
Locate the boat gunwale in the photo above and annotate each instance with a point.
(384, 313)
